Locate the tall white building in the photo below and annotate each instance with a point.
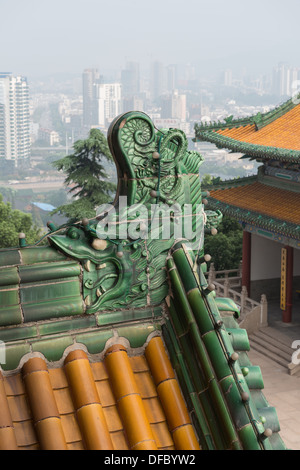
(109, 102)
(14, 120)
(228, 77)
(285, 79)
(90, 77)
(174, 106)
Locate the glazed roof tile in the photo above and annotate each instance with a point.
(282, 205)
(68, 311)
(121, 402)
(273, 135)
(282, 133)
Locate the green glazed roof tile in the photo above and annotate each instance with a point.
(10, 315)
(58, 308)
(49, 271)
(94, 340)
(81, 290)
(241, 382)
(10, 257)
(14, 354)
(21, 333)
(69, 325)
(53, 348)
(9, 276)
(43, 254)
(239, 339)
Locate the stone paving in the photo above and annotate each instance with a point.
(282, 391)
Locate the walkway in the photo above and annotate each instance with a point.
(281, 389)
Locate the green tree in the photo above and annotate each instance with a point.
(13, 222)
(86, 176)
(225, 248)
(208, 180)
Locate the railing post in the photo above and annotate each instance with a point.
(244, 295)
(263, 311)
(240, 269)
(226, 287)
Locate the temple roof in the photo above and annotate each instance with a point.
(260, 204)
(121, 343)
(272, 135)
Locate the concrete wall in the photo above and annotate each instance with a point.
(266, 268)
(265, 258)
(296, 262)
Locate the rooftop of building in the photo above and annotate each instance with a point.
(252, 201)
(273, 135)
(111, 345)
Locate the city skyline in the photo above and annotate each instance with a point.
(74, 35)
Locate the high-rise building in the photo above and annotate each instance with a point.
(174, 106)
(132, 104)
(228, 77)
(89, 79)
(157, 80)
(285, 79)
(171, 77)
(109, 102)
(130, 80)
(14, 120)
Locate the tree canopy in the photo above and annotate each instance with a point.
(86, 176)
(13, 222)
(226, 247)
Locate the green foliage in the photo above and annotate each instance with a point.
(230, 226)
(77, 209)
(56, 198)
(86, 175)
(12, 222)
(209, 180)
(225, 248)
(8, 194)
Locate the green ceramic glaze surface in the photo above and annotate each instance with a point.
(84, 290)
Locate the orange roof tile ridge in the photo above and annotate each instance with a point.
(170, 395)
(7, 433)
(43, 405)
(128, 398)
(93, 357)
(86, 401)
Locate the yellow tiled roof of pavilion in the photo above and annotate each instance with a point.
(283, 132)
(267, 200)
(119, 403)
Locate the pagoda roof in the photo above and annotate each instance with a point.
(273, 135)
(122, 344)
(266, 206)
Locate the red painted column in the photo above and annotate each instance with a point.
(287, 314)
(246, 262)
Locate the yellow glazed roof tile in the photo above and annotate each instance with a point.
(284, 132)
(61, 407)
(267, 200)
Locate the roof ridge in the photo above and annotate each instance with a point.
(259, 119)
(239, 181)
(250, 149)
(266, 222)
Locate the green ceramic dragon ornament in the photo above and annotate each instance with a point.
(158, 200)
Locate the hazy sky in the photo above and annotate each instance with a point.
(39, 37)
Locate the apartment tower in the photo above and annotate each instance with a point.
(14, 120)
